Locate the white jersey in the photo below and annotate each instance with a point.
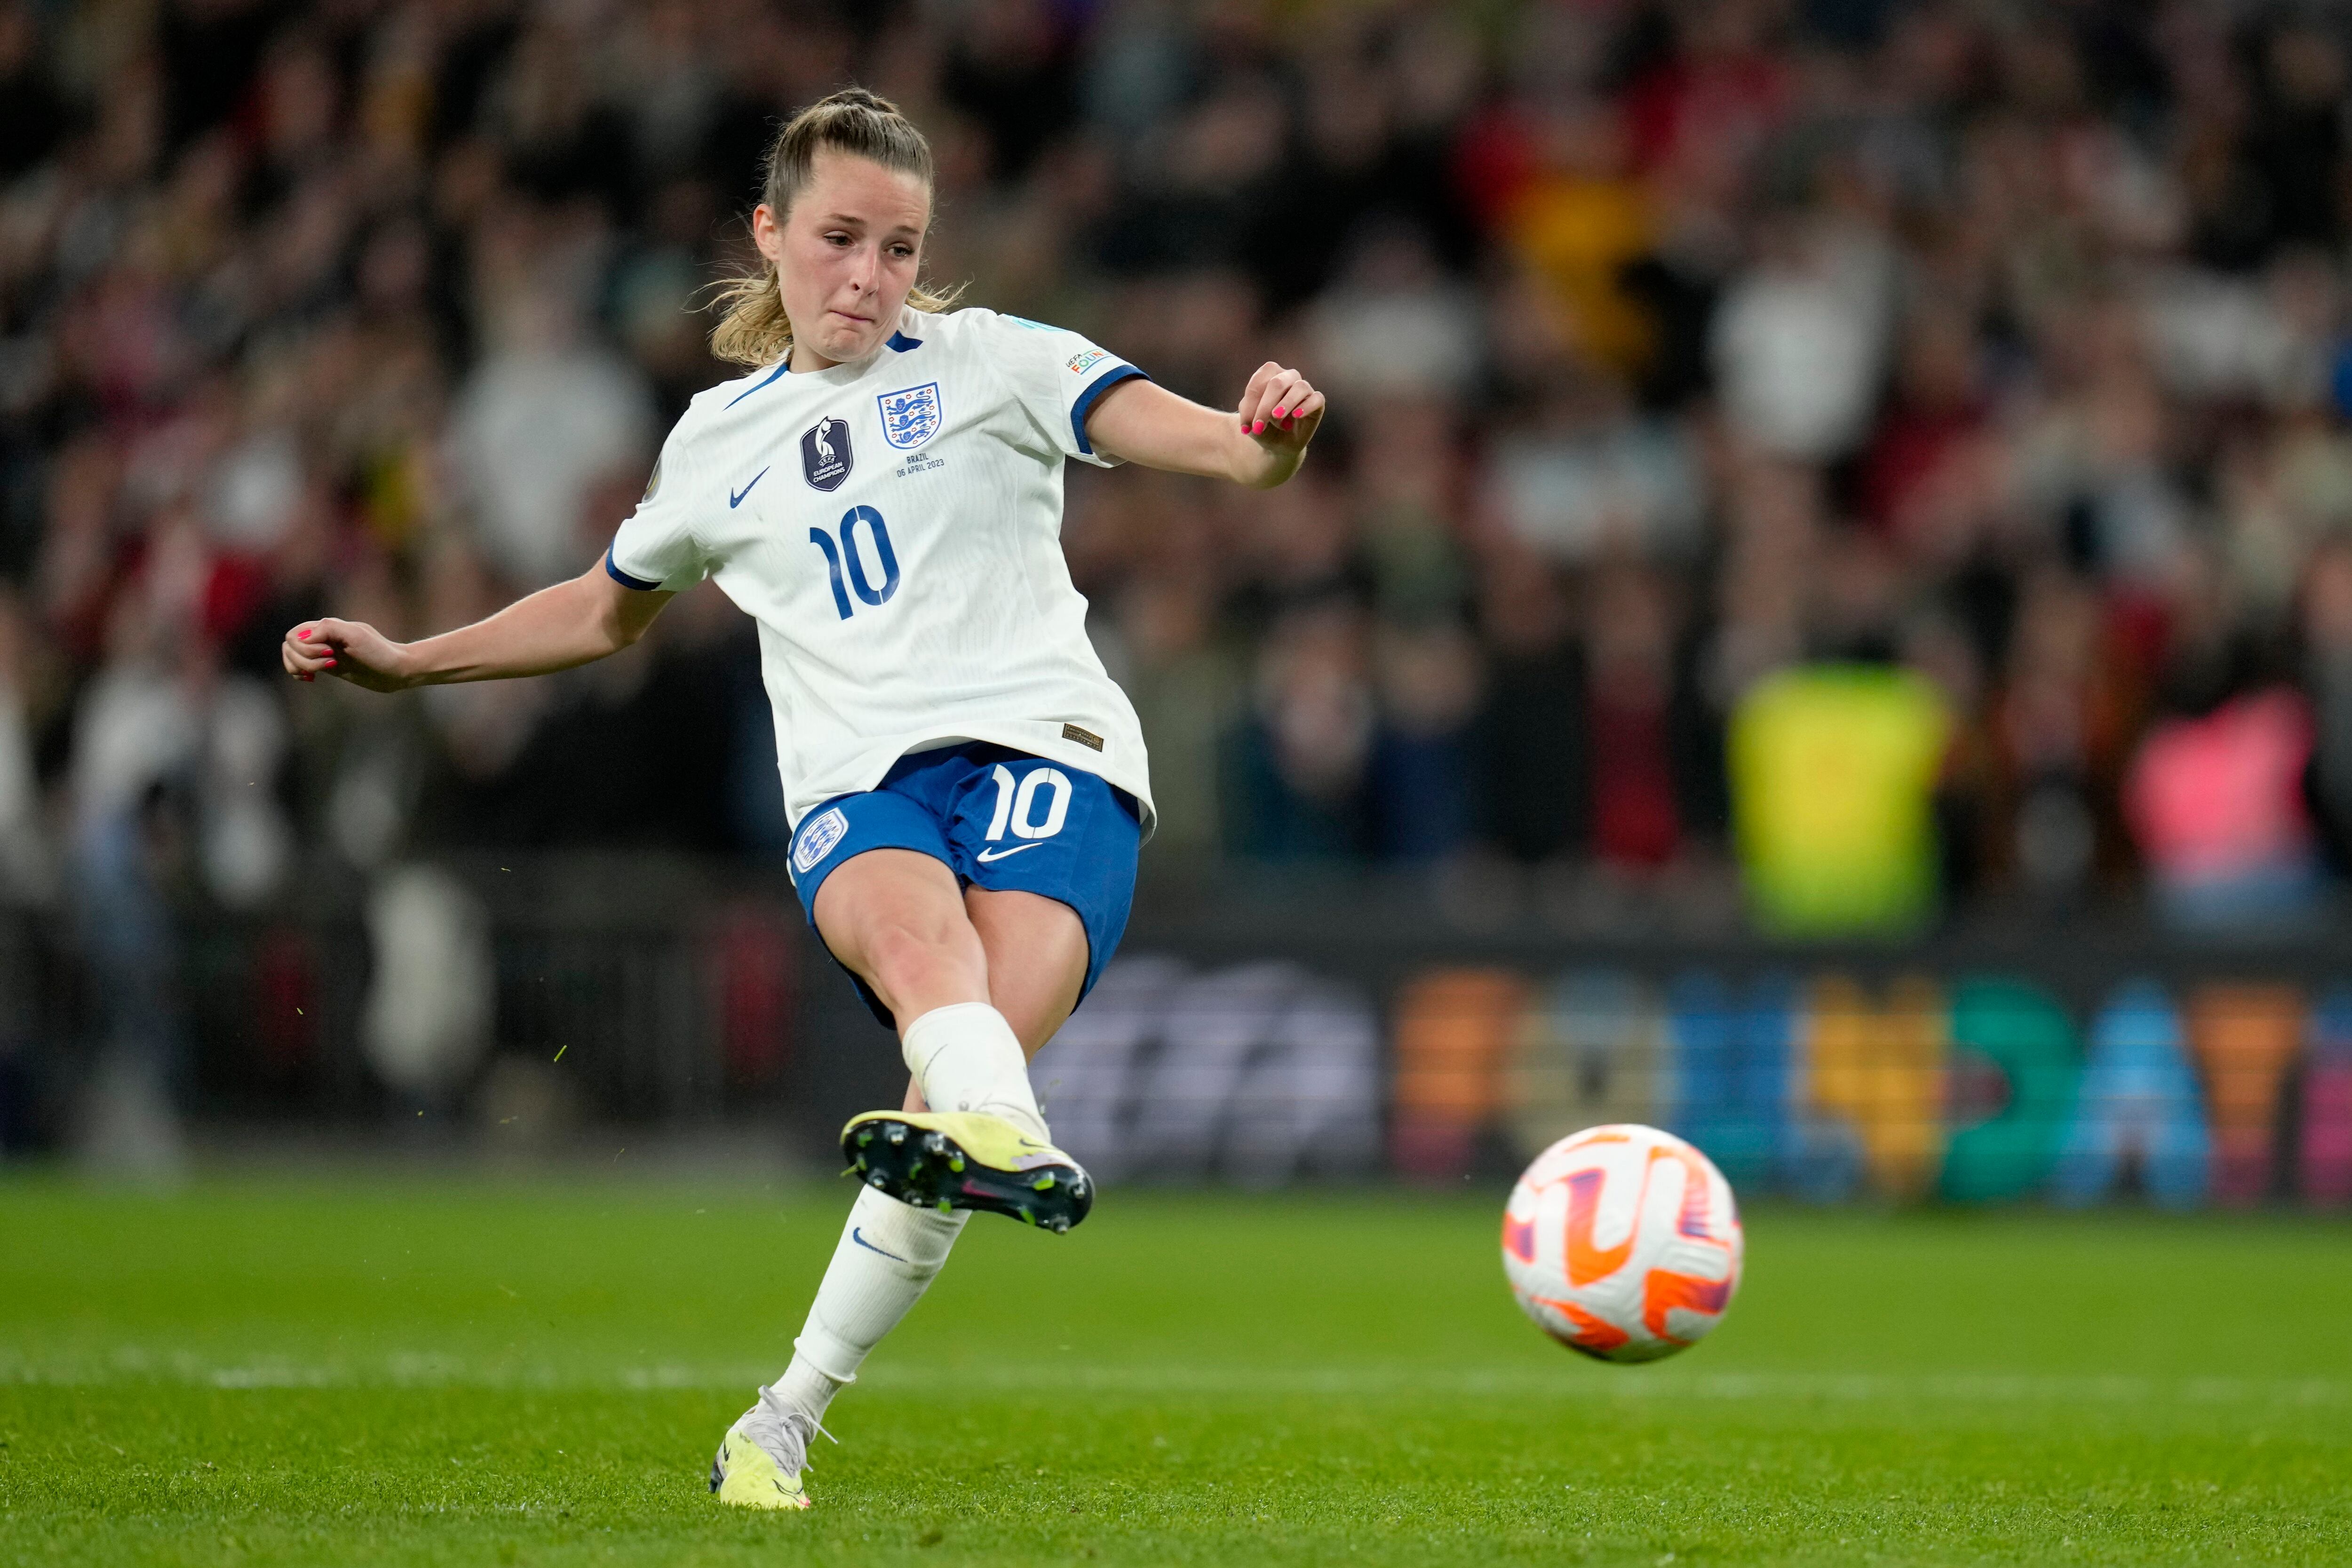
(894, 526)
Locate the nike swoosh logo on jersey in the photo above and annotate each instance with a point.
(985, 855)
(856, 1235)
(735, 498)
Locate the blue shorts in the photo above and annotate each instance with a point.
(999, 819)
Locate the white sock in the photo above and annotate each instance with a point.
(886, 1257)
(966, 1057)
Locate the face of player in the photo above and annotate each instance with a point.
(846, 256)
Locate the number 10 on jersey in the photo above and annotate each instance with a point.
(847, 553)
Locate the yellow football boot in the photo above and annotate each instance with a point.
(760, 1460)
(967, 1160)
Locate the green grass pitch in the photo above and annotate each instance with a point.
(385, 1371)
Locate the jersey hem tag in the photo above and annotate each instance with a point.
(1086, 738)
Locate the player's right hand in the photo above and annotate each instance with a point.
(348, 650)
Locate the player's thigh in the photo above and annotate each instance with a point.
(1037, 959)
(897, 918)
(1067, 840)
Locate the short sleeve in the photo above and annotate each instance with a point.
(1056, 376)
(655, 547)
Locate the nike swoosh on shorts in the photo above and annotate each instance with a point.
(735, 498)
(985, 855)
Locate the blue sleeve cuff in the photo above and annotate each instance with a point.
(1093, 395)
(622, 578)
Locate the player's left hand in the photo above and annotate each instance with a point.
(1279, 410)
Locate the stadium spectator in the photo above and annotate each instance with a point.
(1685, 346)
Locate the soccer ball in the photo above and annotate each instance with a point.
(1623, 1242)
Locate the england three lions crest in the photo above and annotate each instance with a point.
(911, 417)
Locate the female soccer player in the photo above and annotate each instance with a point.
(883, 494)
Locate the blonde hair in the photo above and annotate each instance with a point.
(755, 329)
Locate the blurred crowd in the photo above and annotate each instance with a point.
(1680, 353)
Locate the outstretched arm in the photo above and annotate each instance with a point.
(570, 623)
(1260, 444)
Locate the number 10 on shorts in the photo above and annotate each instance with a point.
(1017, 805)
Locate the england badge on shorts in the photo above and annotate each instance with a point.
(817, 836)
(911, 417)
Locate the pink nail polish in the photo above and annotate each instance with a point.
(304, 634)
(1280, 411)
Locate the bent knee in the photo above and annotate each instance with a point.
(897, 919)
(921, 960)
(915, 943)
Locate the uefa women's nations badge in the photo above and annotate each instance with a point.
(911, 417)
(818, 835)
